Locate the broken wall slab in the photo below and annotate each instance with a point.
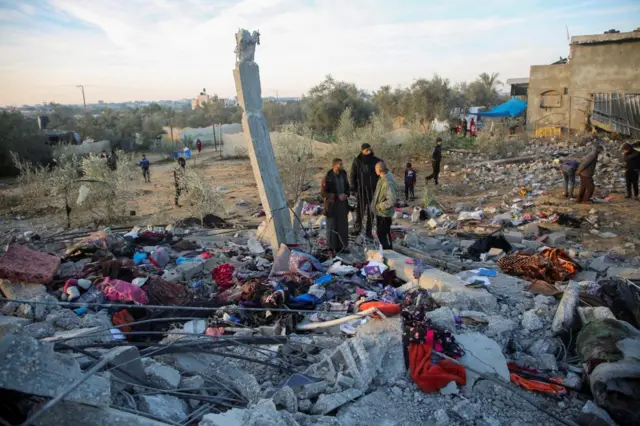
(483, 355)
(69, 413)
(33, 367)
(21, 264)
(9, 325)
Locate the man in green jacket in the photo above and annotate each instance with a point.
(384, 203)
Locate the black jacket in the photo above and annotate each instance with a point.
(363, 175)
(632, 159)
(437, 153)
(329, 191)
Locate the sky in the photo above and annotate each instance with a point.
(126, 50)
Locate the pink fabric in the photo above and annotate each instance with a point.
(122, 291)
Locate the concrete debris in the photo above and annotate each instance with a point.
(9, 325)
(450, 389)
(286, 398)
(531, 321)
(161, 376)
(328, 403)
(86, 415)
(164, 407)
(556, 238)
(33, 367)
(483, 355)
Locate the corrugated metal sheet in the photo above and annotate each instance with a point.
(617, 112)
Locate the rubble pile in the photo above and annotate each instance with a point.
(482, 315)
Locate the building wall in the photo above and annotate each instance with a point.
(548, 82)
(605, 67)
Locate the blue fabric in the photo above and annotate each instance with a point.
(512, 108)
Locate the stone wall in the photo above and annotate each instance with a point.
(547, 83)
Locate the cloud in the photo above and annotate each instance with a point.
(172, 48)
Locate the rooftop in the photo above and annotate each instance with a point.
(521, 80)
(606, 38)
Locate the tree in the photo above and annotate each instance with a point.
(484, 90)
(20, 135)
(326, 102)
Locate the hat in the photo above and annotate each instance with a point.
(365, 146)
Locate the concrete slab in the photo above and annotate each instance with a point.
(483, 355)
(10, 325)
(625, 273)
(69, 413)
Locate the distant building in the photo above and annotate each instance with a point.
(200, 100)
(229, 102)
(519, 87)
(100, 102)
(597, 86)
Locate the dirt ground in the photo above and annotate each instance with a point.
(234, 179)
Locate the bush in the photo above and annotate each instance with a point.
(293, 151)
(200, 195)
(495, 144)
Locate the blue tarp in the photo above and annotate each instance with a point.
(512, 108)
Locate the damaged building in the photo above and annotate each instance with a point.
(599, 86)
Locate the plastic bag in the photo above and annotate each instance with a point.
(83, 192)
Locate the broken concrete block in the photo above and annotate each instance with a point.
(127, 359)
(532, 244)
(14, 290)
(494, 253)
(600, 264)
(38, 330)
(312, 390)
(450, 389)
(556, 238)
(67, 413)
(513, 237)
(592, 415)
(531, 229)
(305, 405)
(483, 355)
(233, 417)
(470, 300)
(328, 403)
(443, 317)
(32, 367)
(632, 274)
(588, 314)
(164, 407)
(10, 325)
(286, 398)
(21, 264)
(189, 270)
(586, 276)
(531, 321)
(160, 375)
(192, 382)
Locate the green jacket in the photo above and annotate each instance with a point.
(385, 197)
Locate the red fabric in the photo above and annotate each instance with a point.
(223, 275)
(118, 290)
(199, 145)
(432, 377)
(122, 317)
(389, 309)
(21, 264)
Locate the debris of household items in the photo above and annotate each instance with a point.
(549, 265)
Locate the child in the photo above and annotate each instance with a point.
(409, 182)
(144, 164)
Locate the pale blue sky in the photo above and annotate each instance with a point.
(170, 49)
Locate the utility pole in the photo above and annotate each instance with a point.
(84, 102)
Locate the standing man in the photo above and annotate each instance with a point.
(632, 169)
(112, 161)
(198, 145)
(363, 181)
(144, 164)
(586, 170)
(464, 127)
(436, 158)
(384, 203)
(568, 170)
(178, 178)
(335, 191)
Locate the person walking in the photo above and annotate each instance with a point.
(335, 191)
(436, 158)
(586, 171)
(632, 169)
(112, 161)
(363, 183)
(179, 179)
(410, 177)
(384, 203)
(198, 145)
(568, 170)
(144, 164)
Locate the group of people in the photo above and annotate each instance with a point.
(179, 172)
(466, 127)
(111, 159)
(586, 169)
(376, 193)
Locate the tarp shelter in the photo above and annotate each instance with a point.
(512, 108)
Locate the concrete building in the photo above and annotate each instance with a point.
(562, 95)
(200, 100)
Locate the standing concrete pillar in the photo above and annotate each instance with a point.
(254, 124)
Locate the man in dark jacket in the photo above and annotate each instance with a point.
(334, 191)
(363, 183)
(568, 170)
(436, 158)
(632, 168)
(586, 171)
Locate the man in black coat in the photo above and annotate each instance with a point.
(436, 158)
(363, 183)
(334, 191)
(632, 168)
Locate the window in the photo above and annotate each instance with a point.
(550, 99)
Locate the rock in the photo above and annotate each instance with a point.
(255, 247)
(632, 274)
(531, 321)
(500, 329)
(396, 391)
(312, 390)
(547, 362)
(304, 405)
(549, 345)
(592, 415)
(129, 363)
(9, 325)
(233, 417)
(483, 355)
(586, 276)
(160, 375)
(450, 389)
(443, 317)
(192, 382)
(556, 238)
(70, 413)
(513, 237)
(600, 264)
(441, 418)
(165, 407)
(477, 300)
(38, 330)
(32, 367)
(328, 403)
(286, 398)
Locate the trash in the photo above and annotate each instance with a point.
(139, 282)
(118, 290)
(415, 215)
(223, 275)
(339, 269)
(564, 319)
(475, 215)
(255, 247)
(83, 192)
